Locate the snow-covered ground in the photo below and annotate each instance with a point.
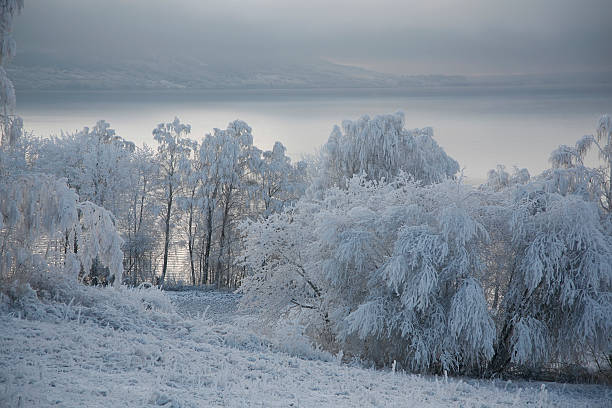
(135, 348)
(220, 307)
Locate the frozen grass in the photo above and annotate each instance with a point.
(132, 348)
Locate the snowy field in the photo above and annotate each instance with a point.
(135, 348)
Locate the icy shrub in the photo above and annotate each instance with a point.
(558, 304)
(48, 239)
(381, 271)
(439, 278)
(49, 295)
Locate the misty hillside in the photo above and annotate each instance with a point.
(49, 72)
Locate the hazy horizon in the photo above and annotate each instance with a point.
(449, 37)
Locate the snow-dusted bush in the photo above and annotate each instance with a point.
(381, 148)
(51, 295)
(439, 277)
(570, 175)
(112, 173)
(383, 271)
(424, 303)
(95, 161)
(558, 302)
(43, 226)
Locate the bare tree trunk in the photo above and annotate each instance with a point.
(222, 238)
(167, 236)
(191, 241)
(228, 269)
(142, 199)
(209, 230)
(201, 276)
(609, 192)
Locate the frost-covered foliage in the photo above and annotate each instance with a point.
(138, 223)
(382, 148)
(94, 161)
(173, 151)
(418, 295)
(282, 183)
(113, 173)
(8, 10)
(279, 248)
(439, 277)
(388, 270)
(234, 159)
(11, 126)
(198, 190)
(229, 180)
(558, 298)
(217, 182)
(44, 227)
(499, 179)
(570, 174)
(558, 303)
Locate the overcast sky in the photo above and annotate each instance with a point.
(405, 37)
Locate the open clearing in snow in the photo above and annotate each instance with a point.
(204, 353)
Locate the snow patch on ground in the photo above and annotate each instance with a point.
(206, 353)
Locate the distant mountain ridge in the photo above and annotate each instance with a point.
(29, 73)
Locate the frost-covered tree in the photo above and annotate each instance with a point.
(11, 126)
(384, 271)
(37, 209)
(570, 174)
(425, 305)
(499, 179)
(95, 163)
(173, 151)
(381, 147)
(558, 302)
(191, 204)
(43, 226)
(237, 162)
(439, 277)
(209, 156)
(100, 166)
(138, 223)
(236, 180)
(281, 182)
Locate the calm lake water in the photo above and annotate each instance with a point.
(478, 128)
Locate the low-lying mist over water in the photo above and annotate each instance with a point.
(479, 127)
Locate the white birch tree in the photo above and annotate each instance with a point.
(173, 153)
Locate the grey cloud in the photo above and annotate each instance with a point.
(409, 37)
